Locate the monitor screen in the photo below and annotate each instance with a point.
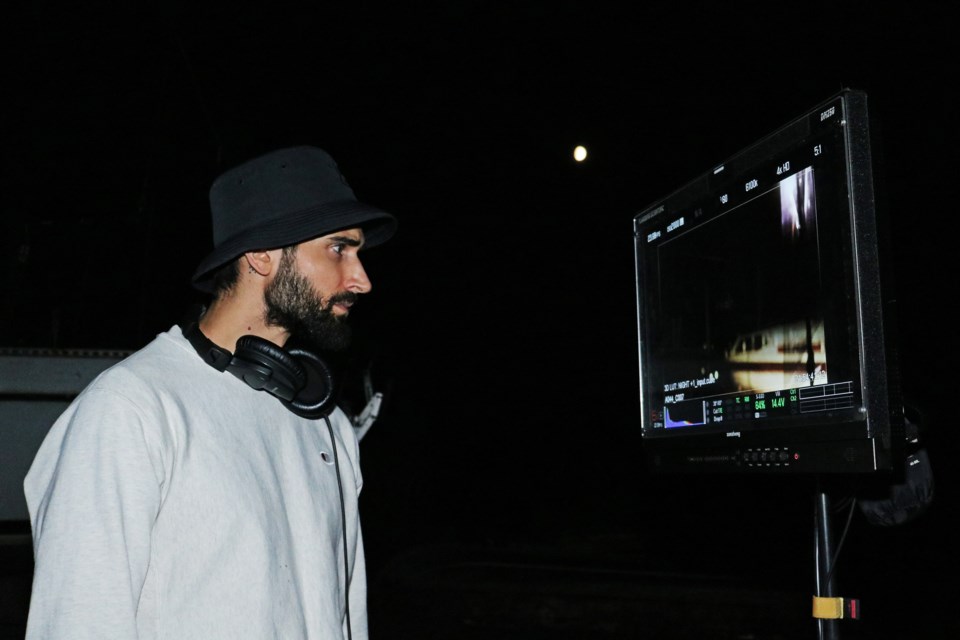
(764, 333)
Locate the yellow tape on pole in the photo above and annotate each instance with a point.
(827, 608)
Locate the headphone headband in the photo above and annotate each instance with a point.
(300, 379)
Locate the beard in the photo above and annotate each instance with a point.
(292, 303)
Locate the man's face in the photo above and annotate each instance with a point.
(315, 285)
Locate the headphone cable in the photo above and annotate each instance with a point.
(343, 520)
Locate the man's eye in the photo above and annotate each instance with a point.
(339, 247)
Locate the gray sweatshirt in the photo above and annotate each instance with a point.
(173, 501)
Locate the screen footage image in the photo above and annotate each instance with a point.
(736, 301)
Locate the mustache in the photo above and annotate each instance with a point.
(348, 297)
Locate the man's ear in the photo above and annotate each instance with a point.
(262, 262)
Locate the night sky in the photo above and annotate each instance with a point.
(502, 322)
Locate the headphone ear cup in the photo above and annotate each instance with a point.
(317, 398)
(264, 365)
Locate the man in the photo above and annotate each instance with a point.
(206, 486)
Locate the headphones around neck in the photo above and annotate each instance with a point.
(297, 377)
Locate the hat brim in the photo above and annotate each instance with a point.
(378, 226)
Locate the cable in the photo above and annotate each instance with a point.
(343, 520)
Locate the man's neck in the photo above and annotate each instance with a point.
(230, 317)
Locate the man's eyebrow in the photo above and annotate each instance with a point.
(347, 240)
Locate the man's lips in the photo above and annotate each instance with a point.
(343, 301)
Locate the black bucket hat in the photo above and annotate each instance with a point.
(280, 199)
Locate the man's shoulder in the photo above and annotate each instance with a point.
(165, 360)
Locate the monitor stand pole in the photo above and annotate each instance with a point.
(828, 628)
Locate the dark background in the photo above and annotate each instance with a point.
(505, 492)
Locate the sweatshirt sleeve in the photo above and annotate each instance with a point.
(93, 492)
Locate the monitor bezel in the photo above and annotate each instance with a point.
(861, 441)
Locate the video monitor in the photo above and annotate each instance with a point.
(765, 335)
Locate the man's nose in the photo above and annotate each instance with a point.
(357, 280)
